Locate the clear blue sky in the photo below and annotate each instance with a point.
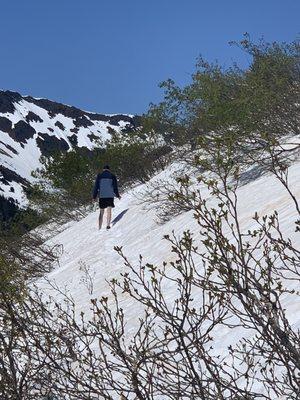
(109, 55)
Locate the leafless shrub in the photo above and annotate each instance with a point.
(164, 194)
(87, 278)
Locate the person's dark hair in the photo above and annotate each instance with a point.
(106, 167)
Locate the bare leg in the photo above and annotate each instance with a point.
(101, 217)
(108, 216)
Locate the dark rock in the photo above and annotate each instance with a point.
(51, 144)
(50, 129)
(10, 176)
(51, 114)
(99, 117)
(5, 124)
(112, 119)
(75, 130)
(79, 116)
(92, 137)
(110, 130)
(59, 125)
(82, 121)
(9, 147)
(22, 131)
(54, 108)
(115, 119)
(7, 100)
(133, 124)
(5, 153)
(73, 140)
(31, 116)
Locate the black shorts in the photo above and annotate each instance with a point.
(106, 202)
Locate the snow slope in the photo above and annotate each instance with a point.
(139, 233)
(30, 128)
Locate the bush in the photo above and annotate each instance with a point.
(243, 105)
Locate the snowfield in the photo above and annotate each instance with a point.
(138, 232)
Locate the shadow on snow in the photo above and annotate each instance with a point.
(119, 216)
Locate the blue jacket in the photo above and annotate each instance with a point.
(106, 185)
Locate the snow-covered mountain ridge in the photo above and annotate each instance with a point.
(31, 127)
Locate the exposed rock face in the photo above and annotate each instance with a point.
(7, 101)
(60, 125)
(22, 131)
(31, 116)
(5, 124)
(10, 182)
(49, 144)
(31, 128)
(8, 176)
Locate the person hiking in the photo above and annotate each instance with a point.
(106, 187)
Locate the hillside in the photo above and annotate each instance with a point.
(136, 230)
(31, 128)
